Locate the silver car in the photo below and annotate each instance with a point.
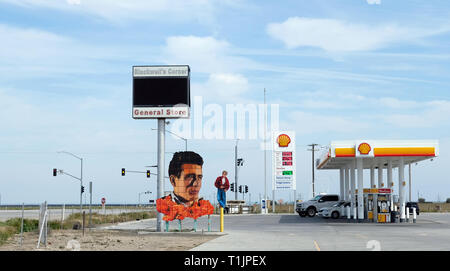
(334, 211)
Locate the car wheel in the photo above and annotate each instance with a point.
(302, 214)
(311, 212)
(335, 215)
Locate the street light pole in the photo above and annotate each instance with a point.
(313, 145)
(80, 179)
(139, 198)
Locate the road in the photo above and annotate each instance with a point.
(290, 232)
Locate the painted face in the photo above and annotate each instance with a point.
(190, 181)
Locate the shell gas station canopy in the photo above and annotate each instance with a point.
(377, 152)
(351, 158)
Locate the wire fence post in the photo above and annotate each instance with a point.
(62, 215)
(21, 225)
(43, 215)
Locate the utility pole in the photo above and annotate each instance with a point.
(236, 169)
(313, 145)
(265, 152)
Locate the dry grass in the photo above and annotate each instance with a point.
(12, 226)
(434, 207)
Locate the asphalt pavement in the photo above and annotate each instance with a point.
(290, 232)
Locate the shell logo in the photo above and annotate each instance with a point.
(364, 148)
(283, 140)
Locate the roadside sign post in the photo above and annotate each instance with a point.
(161, 92)
(161, 163)
(283, 163)
(103, 206)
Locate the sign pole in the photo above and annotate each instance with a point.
(221, 219)
(161, 163)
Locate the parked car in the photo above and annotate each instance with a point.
(412, 205)
(335, 211)
(311, 207)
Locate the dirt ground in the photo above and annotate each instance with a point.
(109, 240)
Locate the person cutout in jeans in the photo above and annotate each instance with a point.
(222, 185)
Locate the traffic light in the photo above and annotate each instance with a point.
(148, 173)
(246, 189)
(240, 162)
(82, 189)
(240, 189)
(232, 187)
(123, 172)
(55, 171)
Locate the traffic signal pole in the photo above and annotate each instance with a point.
(235, 171)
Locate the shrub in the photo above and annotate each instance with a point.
(421, 200)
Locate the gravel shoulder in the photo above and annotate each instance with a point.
(108, 240)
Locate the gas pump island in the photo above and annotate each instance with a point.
(381, 156)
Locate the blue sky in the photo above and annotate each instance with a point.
(339, 70)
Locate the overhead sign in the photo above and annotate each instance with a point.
(283, 161)
(161, 92)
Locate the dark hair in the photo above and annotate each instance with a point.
(181, 158)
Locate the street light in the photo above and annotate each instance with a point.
(80, 179)
(180, 137)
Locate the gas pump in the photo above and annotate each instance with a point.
(377, 203)
(384, 205)
(369, 203)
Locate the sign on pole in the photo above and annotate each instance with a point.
(161, 92)
(283, 161)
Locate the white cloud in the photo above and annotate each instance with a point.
(432, 114)
(309, 123)
(31, 52)
(336, 35)
(204, 54)
(74, 2)
(120, 11)
(373, 2)
(222, 87)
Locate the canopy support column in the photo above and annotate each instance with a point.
(341, 181)
(352, 188)
(359, 167)
(380, 175)
(401, 188)
(347, 183)
(372, 177)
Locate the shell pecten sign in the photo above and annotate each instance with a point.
(364, 148)
(283, 140)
